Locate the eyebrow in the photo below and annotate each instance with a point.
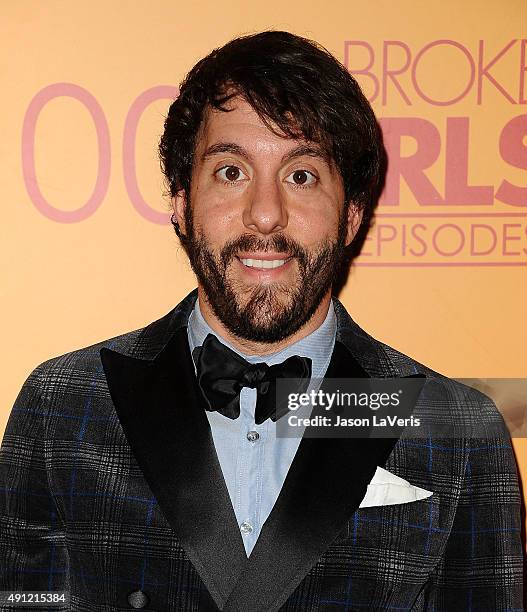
(299, 151)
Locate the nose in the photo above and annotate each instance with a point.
(265, 211)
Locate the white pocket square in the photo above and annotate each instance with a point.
(386, 489)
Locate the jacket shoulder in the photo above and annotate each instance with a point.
(81, 364)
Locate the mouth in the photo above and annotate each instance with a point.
(264, 264)
(266, 267)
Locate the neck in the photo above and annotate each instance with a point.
(250, 347)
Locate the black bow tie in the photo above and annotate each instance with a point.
(222, 373)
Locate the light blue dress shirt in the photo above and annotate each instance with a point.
(254, 461)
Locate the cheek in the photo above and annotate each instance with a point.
(314, 222)
(215, 216)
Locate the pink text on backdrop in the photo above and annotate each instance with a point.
(456, 191)
(29, 171)
(36, 105)
(388, 74)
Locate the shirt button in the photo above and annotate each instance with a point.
(246, 527)
(252, 436)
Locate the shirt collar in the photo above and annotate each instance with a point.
(318, 345)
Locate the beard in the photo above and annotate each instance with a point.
(264, 313)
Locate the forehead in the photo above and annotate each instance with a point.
(242, 125)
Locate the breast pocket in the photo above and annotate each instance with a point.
(417, 529)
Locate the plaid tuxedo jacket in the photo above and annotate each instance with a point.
(110, 488)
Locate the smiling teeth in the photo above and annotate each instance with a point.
(264, 263)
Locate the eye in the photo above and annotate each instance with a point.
(230, 174)
(301, 178)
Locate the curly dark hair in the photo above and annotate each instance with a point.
(295, 86)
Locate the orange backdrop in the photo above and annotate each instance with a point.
(86, 245)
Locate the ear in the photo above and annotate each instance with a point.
(179, 203)
(354, 221)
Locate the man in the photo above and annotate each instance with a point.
(146, 471)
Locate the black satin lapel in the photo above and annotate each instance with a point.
(324, 486)
(159, 406)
